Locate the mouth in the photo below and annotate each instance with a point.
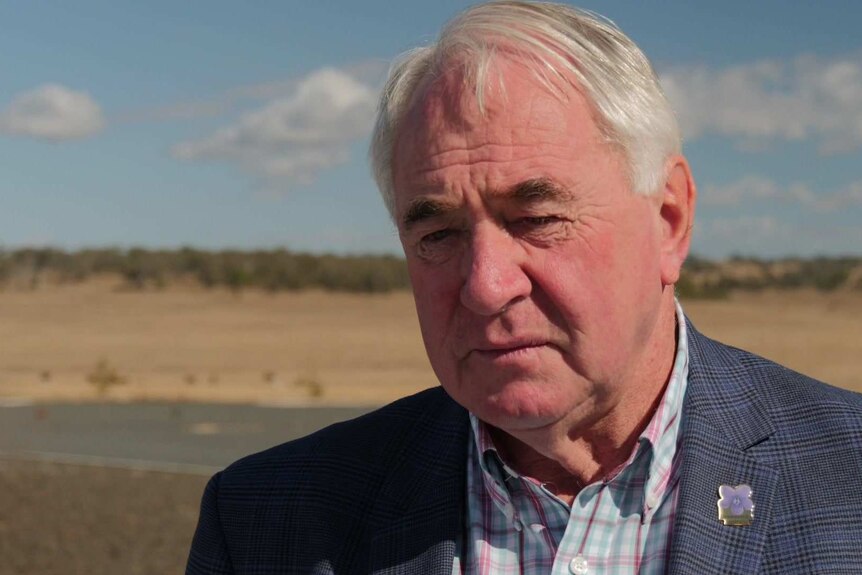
(509, 352)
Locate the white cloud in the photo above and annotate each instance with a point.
(52, 112)
(366, 72)
(754, 188)
(808, 98)
(847, 197)
(734, 193)
(212, 106)
(746, 226)
(295, 136)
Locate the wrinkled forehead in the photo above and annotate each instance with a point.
(512, 107)
(459, 97)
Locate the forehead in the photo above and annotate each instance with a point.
(525, 126)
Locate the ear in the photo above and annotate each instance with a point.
(677, 218)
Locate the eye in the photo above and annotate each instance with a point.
(540, 228)
(439, 245)
(537, 221)
(436, 237)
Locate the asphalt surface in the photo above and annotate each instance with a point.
(189, 438)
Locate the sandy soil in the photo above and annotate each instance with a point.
(814, 333)
(190, 345)
(193, 345)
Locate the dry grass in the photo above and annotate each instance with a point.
(194, 345)
(815, 333)
(185, 344)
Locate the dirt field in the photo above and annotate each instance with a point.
(63, 519)
(814, 333)
(193, 345)
(189, 345)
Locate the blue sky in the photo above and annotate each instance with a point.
(151, 124)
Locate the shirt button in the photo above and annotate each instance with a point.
(518, 525)
(579, 566)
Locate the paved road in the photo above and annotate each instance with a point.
(196, 438)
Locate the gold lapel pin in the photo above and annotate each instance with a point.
(735, 505)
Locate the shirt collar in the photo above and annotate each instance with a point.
(658, 440)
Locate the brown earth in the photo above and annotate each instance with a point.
(194, 345)
(819, 334)
(58, 519)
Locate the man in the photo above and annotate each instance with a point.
(533, 168)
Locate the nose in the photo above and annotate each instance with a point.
(492, 271)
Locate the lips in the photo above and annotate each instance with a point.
(511, 350)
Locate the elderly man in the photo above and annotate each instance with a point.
(533, 168)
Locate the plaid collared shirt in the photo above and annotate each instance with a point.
(620, 525)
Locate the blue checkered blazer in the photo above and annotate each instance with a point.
(384, 493)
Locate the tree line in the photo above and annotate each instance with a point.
(273, 270)
(285, 270)
(715, 279)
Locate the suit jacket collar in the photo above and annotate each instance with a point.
(420, 510)
(421, 504)
(724, 422)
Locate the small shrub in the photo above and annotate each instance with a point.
(686, 288)
(311, 385)
(104, 376)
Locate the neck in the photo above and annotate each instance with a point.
(571, 454)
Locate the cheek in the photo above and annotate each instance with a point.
(641, 259)
(598, 279)
(632, 287)
(625, 254)
(436, 298)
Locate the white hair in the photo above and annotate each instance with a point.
(559, 44)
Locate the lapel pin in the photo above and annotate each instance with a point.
(735, 505)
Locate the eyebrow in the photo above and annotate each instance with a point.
(537, 190)
(422, 209)
(526, 192)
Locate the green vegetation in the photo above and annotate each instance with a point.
(704, 278)
(283, 270)
(274, 270)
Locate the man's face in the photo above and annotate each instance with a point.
(535, 269)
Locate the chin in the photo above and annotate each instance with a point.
(520, 406)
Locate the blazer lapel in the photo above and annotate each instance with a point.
(723, 424)
(418, 517)
(416, 544)
(419, 513)
(701, 543)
